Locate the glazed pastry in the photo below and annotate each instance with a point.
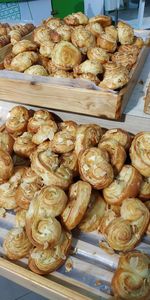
(89, 66)
(8, 189)
(62, 73)
(115, 78)
(53, 23)
(66, 56)
(140, 153)
(144, 193)
(126, 59)
(83, 39)
(76, 19)
(45, 132)
(120, 135)
(46, 48)
(94, 168)
(24, 45)
(17, 120)
(6, 142)
(23, 145)
(95, 28)
(125, 33)
(16, 244)
(132, 277)
(36, 70)
(46, 261)
(88, 76)
(94, 213)
(79, 197)
(20, 218)
(40, 118)
(112, 31)
(103, 20)
(98, 54)
(87, 136)
(23, 61)
(70, 160)
(6, 166)
(30, 184)
(65, 32)
(125, 185)
(107, 42)
(116, 153)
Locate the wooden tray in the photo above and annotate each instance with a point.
(92, 267)
(147, 100)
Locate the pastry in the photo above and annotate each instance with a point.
(70, 160)
(95, 28)
(89, 66)
(16, 244)
(63, 74)
(20, 218)
(23, 61)
(83, 39)
(115, 78)
(107, 42)
(112, 31)
(41, 35)
(24, 145)
(140, 153)
(129, 49)
(126, 59)
(88, 76)
(36, 70)
(125, 185)
(45, 132)
(120, 135)
(103, 20)
(138, 41)
(94, 213)
(4, 29)
(98, 54)
(6, 142)
(65, 32)
(76, 19)
(15, 36)
(107, 218)
(40, 117)
(24, 45)
(43, 61)
(125, 33)
(4, 40)
(46, 48)
(17, 120)
(79, 197)
(52, 68)
(6, 166)
(144, 193)
(95, 168)
(53, 23)
(7, 60)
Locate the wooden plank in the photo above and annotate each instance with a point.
(147, 100)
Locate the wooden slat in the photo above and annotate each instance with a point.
(147, 100)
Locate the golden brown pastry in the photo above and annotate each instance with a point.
(130, 49)
(126, 59)
(138, 41)
(79, 197)
(48, 260)
(20, 218)
(140, 153)
(16, 244)
(132, 277)
(70, 160)
(52, 68)
(83, 39)
(115, 78)
(95, 28)
(15, 36)
(42, 34)
(88, 76)
(24, 45)
(4, 40)
(103, 20)
(125, 185)
(53, 23)
(23, 61)
(24, 145)
(94, 213)
(43, 61)
(120, 135)
(98, 54)
(36, 70)
(144, 193)
(45, 132)
(94, 168)
(40, 117)
(6, 166)
(66, 56)
(62, 73)
(116, 153)
(6, 142)
(89, 66)
(125, 33)
(7, 61)
(8, 189)
(4, 29)
(17, 120)
(46, 48)
(76, 19)
(111, 30)
(65, 32)
(108, 217)
(107, 42)
(88, 135)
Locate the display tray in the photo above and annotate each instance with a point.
(71, 95)
(92, 266)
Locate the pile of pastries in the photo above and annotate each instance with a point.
(58, 175)
(79, 47)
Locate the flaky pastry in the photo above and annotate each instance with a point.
(107, 42)
(88, 76)
(95, 28)
(23, 61)
(46, 48)
(40, 117)
(126, 59)
(115, 78)
(144, 193)
(17, 120)
(120, 135)
(45, 132)
(6, 166)
(63, 73)
(53, 23)
(130, 49)
(24, 45)
(83, 39)
(6, 142)
(36, 70)
(125, 33)
(111, 30)
(65, 32)
(24, 145)
(70, 160)
(103, 20)
(42, 34)
(76, 19)
(20, 218)
(98, 54)
(89, 66)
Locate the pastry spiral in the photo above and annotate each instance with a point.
(17, 120)
(144, 193)
(20, 218)
(24, 45)
(98, 54)
(115, 78)
(53, 23)
(102, 19)
(23, 145)
(82, 39)
(46, 49)
(6, 166)
(95, 28)
(6, 142)
(121, 136)
(65, 32)
(112, 31)
(40, 117)
(125, 33)
(107, 42)
(45, 132)
(76, 19)
(42, 34)
(70, 160)
(23, 61)
(89, 66)
(126, 59)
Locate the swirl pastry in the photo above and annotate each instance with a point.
(88, 76)
(41, 34)
(76, 19)
(53, 23)
(87, 136)
(8, 189)
(144, 193)
(6, 142)
(24, 45)
(65, 32)
(107, 42)
(129, 49)
(23, 145)
(95, 28)
(83, 39)
(103, 20)
(89, 66)
(46, 48)
(94, 168)
(6, 166)
(116, 152)
(79, 197)
(115, 78)
(98, 54)
(70, 160)
(48, 260)
(121, 136)
(36, 70)
(66, 56)
(125, 33)
(126, 59)
(125, 185)
(45, 132)
(7, 59)
(15, 36)
(23, 61)
(43, 61)
(21, 218)
(40, 117)
(132, 278)
(16, 244)
(112, 31)
(62, 73)
(140, 153)
(17, 120)
(107, 218)
(94, 213)
(47, 165)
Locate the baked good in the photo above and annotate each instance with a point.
(23, 145)
(45, 132)
(46, 48)
(62, 74)
(88, 76)
(103, 20)
(79, 197)
(6, 166)
(17, 120)
(95, 28)
(36, 70)
(138, 41)
(40, 117)
(65, 32)
(7, 60)
(107, 42)
(98, 54)
(83, 39)
(130, 49)
(115, 78)
(76, 19)
(15, 36)
(112, 31)
(89, 66)
(70, 160)
(126, 59)
(120, 135)
(107, 218)
(144, 193)
(41, 35)
(6, 142)
(125, 33)
(20, 218)
(4, 40)
(24, 45)
(23, 61)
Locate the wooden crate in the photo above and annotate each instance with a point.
(92, 267)
(147, 100)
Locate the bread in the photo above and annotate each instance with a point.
(103, 20)
(83, 39)
(125, 33)
(6, 166)
(23, 145)
(24, 45)
(89, 66)
(98, 54)
(36, 70)
(76, 19)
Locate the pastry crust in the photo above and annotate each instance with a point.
(45, 132)
(144, 193)
(107, 42)
(126, 59)
(6, 142)
(7, 61)
(63, 73)
(103, 20)
(127, 184)
(112, 31)
(23, 61)
(79, 197)
(89, 66)
(46, 49)
(125, 33)
(24, 45)
(95, 28)
(41, 34)
(98, 54)
(65, 32)
(23, 145)
(120, 135)
(53, 23)
(76, 19)
(36, 70)
(6, 166)
(20, 218)
(130, 49)
(17, 120)
(70, 160)
(88, 76)
(40, 118)
(115, 78)
(83, 39)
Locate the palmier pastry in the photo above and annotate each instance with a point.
(144, 193)
(79, 197)
(138, 41)
(70, 160)
(40, 117)
(16, 244)
(125, 33)
(120, 135)
(45, 132)
(94, 168)
(83, 39)
(76, 19)
(107, 218)
(23, 61)
(126, 59)
(23, 145)
(87, 136)
(42, 34)
(63, 73)
(140, 153)
(111, 30)
(4, 40)
(115, 78)
(20, 218)
(66, 56)
(15, 36)
(116, 152)
(8, 189)
(98, 54)
(53, 23)
(107, 42)
(131, 279)
(36, 70)
(6, 142)
(89, 66)
(24, 45)
(6, 166)
(88, 76)
(7, 61)
(17, 120)
(46, 48)
(30, 184)
(48, 260)
(95, 28)
(47, 165)
(65, 32)
(94, 213)
(130, 49)
(103, 20)
(125, 185)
